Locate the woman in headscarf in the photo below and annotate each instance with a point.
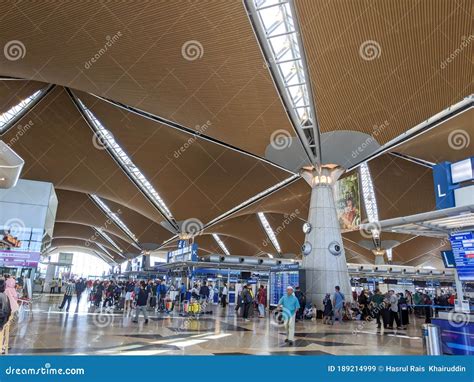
(10, 291)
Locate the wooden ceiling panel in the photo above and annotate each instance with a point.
(402, 188)
(384, 63)
(419, 250)
(59, 148)
(451, 141)
(196, 178)
(143, 57)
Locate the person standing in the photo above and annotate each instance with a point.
(377, 306)
(302, 300)
(68, 295)
(142, 298)
(182, 293)
(224, 294)
(162, 292)
(247, 300)
(80, 287)
(394, 310)
(52, 286)
(204, 292)
(338, 304)
(262, 301)
(289, 305)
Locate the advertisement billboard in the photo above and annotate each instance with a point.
(347, 198)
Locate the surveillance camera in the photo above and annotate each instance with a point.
(335, 248)
(306, 248)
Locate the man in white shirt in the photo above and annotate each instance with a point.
(394, 310)
(224, 295)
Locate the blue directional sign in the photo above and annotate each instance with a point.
(444, 190)
(448, 259)
(462, 244)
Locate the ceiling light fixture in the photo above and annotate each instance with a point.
(269, 231)
(114, 216)
(109, 239)
(106, 138)
(221, 244)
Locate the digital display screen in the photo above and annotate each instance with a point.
(462, 171)
(279, 281)
(462, 244)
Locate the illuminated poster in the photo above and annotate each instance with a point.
(346, 193)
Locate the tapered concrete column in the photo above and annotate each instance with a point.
(325, 266)
(379, 256)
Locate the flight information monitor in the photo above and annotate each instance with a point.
(280, 278)
(462, 244)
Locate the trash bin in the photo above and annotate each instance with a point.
(431, 339)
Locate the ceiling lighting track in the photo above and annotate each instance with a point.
(187, 130)
(409, 158)
(9, 118)
(276, 27)
(102, 233)
(268, 229)
(221, 244)
(125, 162)
(431, 123)
(254, 199)
(115, 218)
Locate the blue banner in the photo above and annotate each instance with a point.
(249, 368)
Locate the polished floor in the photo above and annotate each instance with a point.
(46, 330)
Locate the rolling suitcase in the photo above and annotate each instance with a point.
(386, 317)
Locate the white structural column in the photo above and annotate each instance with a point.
(325, 266)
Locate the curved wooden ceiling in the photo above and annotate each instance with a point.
(402, 79)
(144, 67)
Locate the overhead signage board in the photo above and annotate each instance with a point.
(462, 244)
(444, 191)
(19, 259)
(448, 259)
(185, 253)
(462, 171)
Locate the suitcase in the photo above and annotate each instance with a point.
(153, 302)
(386, 317)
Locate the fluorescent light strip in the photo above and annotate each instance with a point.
(221, 244)
(132, 170)
(106, 251)
(114, 216)
(269, 231)
(109, 239)
(253, 198)
(16, 110)
(368, 193)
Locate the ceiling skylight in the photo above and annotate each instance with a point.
(105, 250)
(16, 111)
(132, 170)
(277, 28)
(269, 231)
(114, 216)
(109, 239)
(221, 244)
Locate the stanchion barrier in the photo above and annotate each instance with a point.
(431, 339)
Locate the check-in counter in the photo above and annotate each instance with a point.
(457, 332)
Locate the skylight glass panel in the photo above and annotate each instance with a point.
(368, 193)
(109, 141)
(105, 250)
(11, 114)
(221, 244)
(269, 231)
(109, 239)
(278, 31)
(114, 216)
